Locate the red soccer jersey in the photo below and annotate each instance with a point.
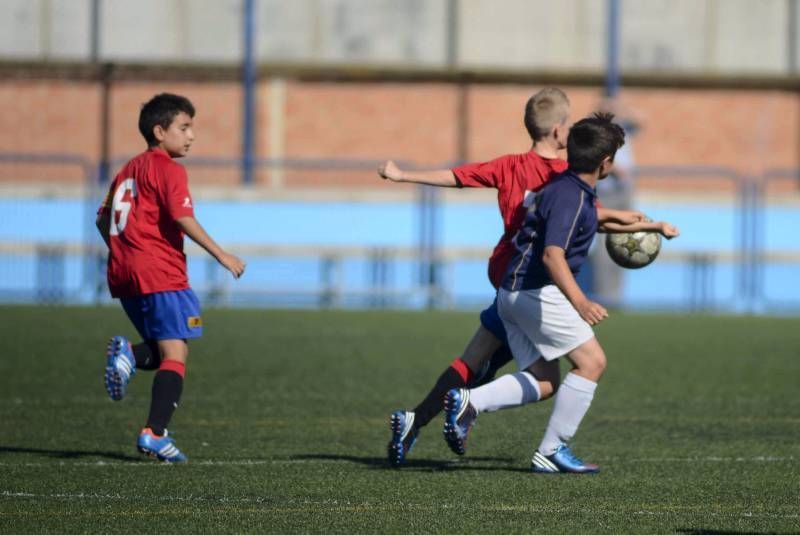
(145, 199)
(516, 177)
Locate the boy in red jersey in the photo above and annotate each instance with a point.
(516, 177)
(143, 219)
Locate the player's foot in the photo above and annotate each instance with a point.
(161, 448)
(120, 367)
(404, 435)
(459, 418)
(563, 461)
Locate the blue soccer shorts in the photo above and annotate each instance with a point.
(165, 315)
(490, 319)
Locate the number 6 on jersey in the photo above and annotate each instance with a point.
(121, 206)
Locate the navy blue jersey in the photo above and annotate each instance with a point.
(564, 214)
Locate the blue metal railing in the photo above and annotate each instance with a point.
(747, 256)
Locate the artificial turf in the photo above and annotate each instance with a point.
(284, 417)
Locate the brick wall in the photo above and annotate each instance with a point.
(748, 130)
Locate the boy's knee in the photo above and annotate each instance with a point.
(593, 368)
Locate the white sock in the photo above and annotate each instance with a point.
(510, 390)
(572, 401)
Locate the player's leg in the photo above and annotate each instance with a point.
(571, 405)
(484, 369)
(147, 355)
(499, 358)
(459, 374)
(463, 371)
(405, 425)
(124, 358)
(538, 377)
(167, 384)
(121, 361)
(166, 393)
(463, 405)
(175, 317)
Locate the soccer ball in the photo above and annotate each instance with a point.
(633, 250)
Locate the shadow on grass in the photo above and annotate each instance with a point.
(487, 464)
(70, 454)
(700, 531)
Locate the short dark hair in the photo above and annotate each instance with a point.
(161, 110)
(591, 140)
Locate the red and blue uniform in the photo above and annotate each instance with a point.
(516, 177)
(146, 262)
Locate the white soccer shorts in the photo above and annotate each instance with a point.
(541, 323)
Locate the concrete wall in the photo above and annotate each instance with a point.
(727, 37)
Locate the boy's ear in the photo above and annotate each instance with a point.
(159, 132)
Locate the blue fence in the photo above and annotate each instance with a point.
(737, 251)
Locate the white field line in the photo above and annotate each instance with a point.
(294, 505)
(264, 462)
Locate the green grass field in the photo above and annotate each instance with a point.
(285, 421)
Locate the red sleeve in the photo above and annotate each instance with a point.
(482, 175)
(176, 196)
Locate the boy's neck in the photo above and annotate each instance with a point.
(545, 148)
(590, 178)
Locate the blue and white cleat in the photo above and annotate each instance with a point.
(161, 448)
(459, 418)
(563, 461)
(120, 367)
(404, 435)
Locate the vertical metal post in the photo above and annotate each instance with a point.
(792, 35)
(104, 78)
(612, 49)
(452, 20)
(248, 91)
(95, 262)
(94, 35)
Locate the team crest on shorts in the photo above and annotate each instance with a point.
(194, 322)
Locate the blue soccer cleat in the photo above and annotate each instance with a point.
(563, 461)
(404, 435)
(459, 418)
(161, 448)
(120, 367)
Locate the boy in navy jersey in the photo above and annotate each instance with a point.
(545, 313)
(143, 220)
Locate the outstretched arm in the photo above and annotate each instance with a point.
(667, 230)
(625, 217)
(439, 177)
(555, 261)
(192, 228)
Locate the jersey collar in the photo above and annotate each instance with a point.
(575, 178)
(159, 151)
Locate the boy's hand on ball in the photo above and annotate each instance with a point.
(669, 231)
